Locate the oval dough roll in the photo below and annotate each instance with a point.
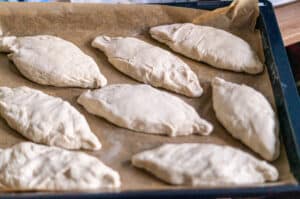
(248, 116)
(46, 119)
(145, 109)
(50, 60)
(204, 165)
(214, 46)
(28, 166)
(149, 64)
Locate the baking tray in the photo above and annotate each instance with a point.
(287, 103)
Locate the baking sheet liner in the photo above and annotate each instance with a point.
(80, 23)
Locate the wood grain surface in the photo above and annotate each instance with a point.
(288, 17)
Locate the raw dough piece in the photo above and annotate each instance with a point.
(50, 60)
(29, 166)
(214, 46)
(145, 109)
(46, 119)
(204, 165)
(149, 64)
(248, 116)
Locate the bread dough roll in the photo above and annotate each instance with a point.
(50, 60)
(247, 116)
(145, 109)
(27, 166)
(149, 64)
(46, 119)
(204, 165)
(214, 46)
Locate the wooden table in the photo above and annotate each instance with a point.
(288, 17)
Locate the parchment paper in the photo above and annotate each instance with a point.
(80, 23)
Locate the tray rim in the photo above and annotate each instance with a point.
(287, 102)
(284, 88)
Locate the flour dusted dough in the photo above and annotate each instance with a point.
(50, 60)
(204, 164)
(29, 166)
(145, 109)
(149, 64)
(46, 119)
(214, 46)
(248, 116)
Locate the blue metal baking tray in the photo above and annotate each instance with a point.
(288, 106)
